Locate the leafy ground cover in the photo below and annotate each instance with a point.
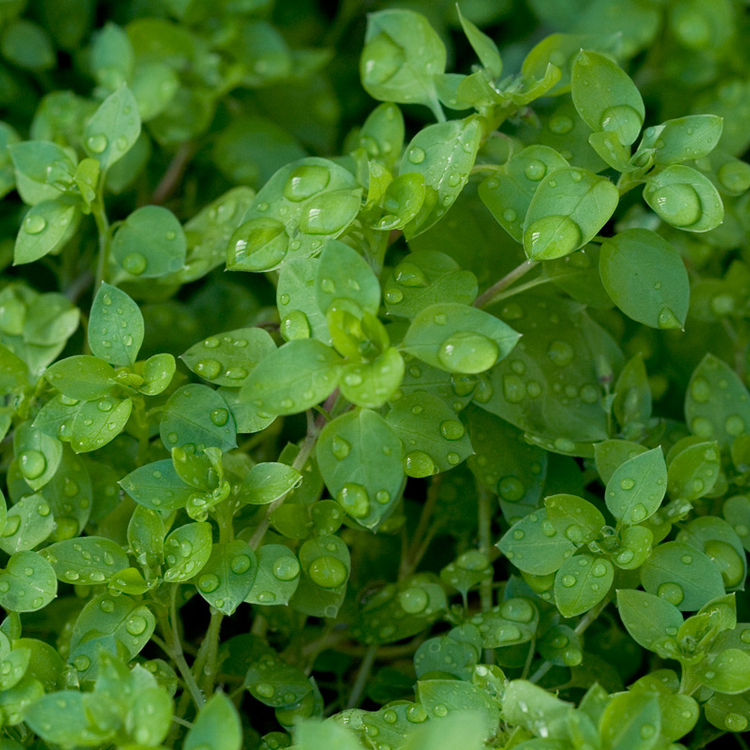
(374, 376)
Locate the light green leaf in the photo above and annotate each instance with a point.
(115, 331)
(113, 129)
(28, 583)
(99, 422)
(227, 578)
(535, 546)
(683, 139)
(81, 377)
(651, 620)
(637, 487)
(484, 47)
(38, 454)
(267, 482)
(88, 561)
(44, 229)
(582, 582)
(343, 274)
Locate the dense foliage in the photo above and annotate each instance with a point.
(454, 455)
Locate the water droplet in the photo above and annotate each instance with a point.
(667, 319)
(511, 489)
(413, 600)
(560, 353)
(535, 170)
(82, 662)
(97, 143)
(678, 204)
(354, 500)
(416, 155)
(568, 581)
(734, 425)
(328, 572)
(510, 215)
(134, 263)
(468, 352)
(136, 624)
(671, 592)
(514, 389)
(561, 124)
(286, 568)
(623, 120)
(34, 224)
(208, 368)
(240, 564)
(265, 690)
(735, 722)
(208, 583)
(552, 237)
(295, 325)
(236, 373)
(452, 429)
(418, 464)
(107, 606)
(394, 296)
(340, 447)
(305, 181)
(409, 275)
(32, 464)
(219, 417)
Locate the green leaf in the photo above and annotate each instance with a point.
(568, 209)
(683, 139)
(579, 520)
(693, 471)
(277, 576)
(45, 228)
(728, 673)
(686, 199)
(486, 50)
(637, 487)
(646, 278)
(150, 243)
(631, 721)
(157, 486)
(736, 511)
(459, 697)
(113, 129)
(360, 459)
(43, 170)
(468, 569)
(227, 358)
(444, 154)
(533, 708)
(632, 402)
(303, 204)
(87, 561)
(198, 416)
(187, 550)
(27, 524)
(293, 378)
(28, 583)
(266, 482)
(535, 546)
(434, 439)
(382, 134)
(635, 547)
(217, 726)
(508, 193)
(297, 301)
(157, 373)
(717, 404)
(613, 453)
(458, 338)
(326, 564)
(339, 263)
(425, 278)
(146, 534)
(582, 582)
(722, 544)
(276, 683)
(112, 57)
(651, 620)
(312, 734)
(98, 422)
(682, 575)
(38, 454)
(401, 57)
(81, 377)
(227, 578)
(371, 384)
(115, 331)
(605, 97)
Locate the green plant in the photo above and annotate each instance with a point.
(456, 455)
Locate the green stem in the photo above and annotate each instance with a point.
(102, 225)
(489, 295)
(205, 666)
(485, 529)
(422, 536)
(358, 689)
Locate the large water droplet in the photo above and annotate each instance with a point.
(511, 489)
(340, 447)
(327, 572)
(286, 568)
(32, 463)
(561, 353)
(208, 583)
(535, 170)
(671, 592)
(514, 389)
(305, 181)
(258, 245)
(468, 352)
(97, 143)
(416, 155)
(678, 204)
(552, 237)
(624, 121)
(730, 564)
(219, 417)
(667, 319)
(208, 369)
(409, 275)
(735, 176)
(329, 213)
(34, 224)
(418, 464)
(134, 263)
(413, 600)
(354, 500)
(295, 325)
(452, 429)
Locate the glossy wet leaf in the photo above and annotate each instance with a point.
(27, 583)
(426, 278)
(483, 46)
(646, 278)
(27, 524)
(277, 576)
(682, 575)
(303, 204)
(115, 331)
(113, 129)
(339, 261)
(683, 139)
(98, 422)
(43, 170)
(295, 377)
(582, 582)
(38, 455)
(458, 338)
(198, 416)
(267, 482)
(360, 458)
(631, 720)
(685, 198)
(693, 471)
(605, 97)
(81, 377)
(637, 487)
(728, 673)
(535, 546)
(722, 544)
(157, 486)
(276, 683)
(401, 57)
(301, 317)
(371, 384)
(85, 561)
(227, 578)
(325, 564)
(150, 243)
(433, 437)
(508, 194)
(382, 133)
(736, 511)
(444, 154)
(187, 550)
(651, 620)
(228, 358)
(717, 405)
(44, 229)
(578, 519)
(567, 210)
